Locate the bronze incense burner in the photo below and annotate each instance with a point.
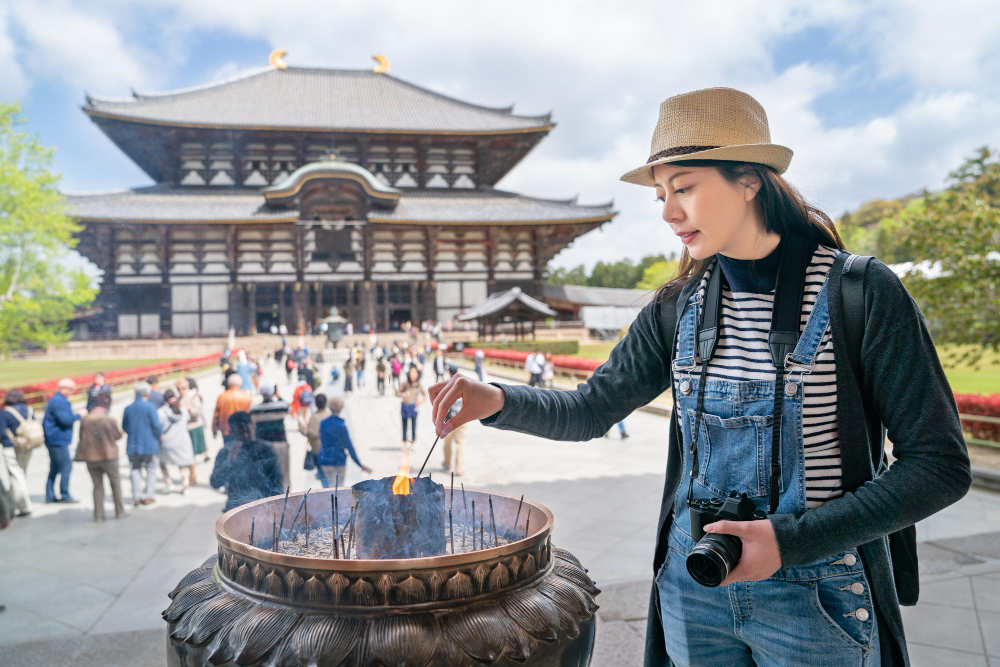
(522, 601)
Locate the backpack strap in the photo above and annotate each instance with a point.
(852, 293)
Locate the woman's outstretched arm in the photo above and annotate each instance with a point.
(635, 374)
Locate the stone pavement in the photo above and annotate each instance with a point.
(80, 593)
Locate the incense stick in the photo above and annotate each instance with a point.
(283, 506)
(451, 500)
(429, 455)
(253, 520)
(473, 524)
(295, 518)
(482, 532)
(493, 524)
(451, 532)
(518, 515)
(333, 515)
(527, 523)
(274, 535)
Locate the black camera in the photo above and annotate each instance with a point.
(715, 555)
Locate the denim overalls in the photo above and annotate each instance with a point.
(816, 614)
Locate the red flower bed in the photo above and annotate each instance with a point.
(40, 392)
(562, 361)
(987, 405)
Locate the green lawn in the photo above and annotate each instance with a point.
(964, 379)
(20, 372)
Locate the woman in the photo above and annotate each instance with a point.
(192, 400)
(348, 375)
(98, 447)
(815, 600)
(245, 369)
(413, 394)
(548, 371)
(15, 458)
(175, 443)
(99, 387)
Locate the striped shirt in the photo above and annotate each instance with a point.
(742, 354)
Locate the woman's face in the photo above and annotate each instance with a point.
(721, 215)
(413, 375)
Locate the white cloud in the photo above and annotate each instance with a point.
(86, 50)
(14, 83)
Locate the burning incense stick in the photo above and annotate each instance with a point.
(493, 524)
(274, 535)
(465, 504)
(451, 499)
(429, 455)
(473, 524)
(282, 522)
(252, 521)
(527, 523)
(306, 519)
(451, 532)
(482, 532)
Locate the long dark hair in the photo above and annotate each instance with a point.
(782, 209)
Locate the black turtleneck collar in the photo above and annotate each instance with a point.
(757, 276)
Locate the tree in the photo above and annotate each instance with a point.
(623, 273)
(958, 233)
(38, 295)
(659, 273)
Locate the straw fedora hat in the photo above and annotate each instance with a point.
(711, 124)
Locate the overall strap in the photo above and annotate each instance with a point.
(852, 291)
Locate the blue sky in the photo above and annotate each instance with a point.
(874, 102)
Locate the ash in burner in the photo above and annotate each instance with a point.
(399, 525)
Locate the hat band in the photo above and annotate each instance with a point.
(678, 150)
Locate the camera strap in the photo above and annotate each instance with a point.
(783, 337)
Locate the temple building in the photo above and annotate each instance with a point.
(285, 191)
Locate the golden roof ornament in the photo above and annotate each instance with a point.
(276, 58)
(383, 64)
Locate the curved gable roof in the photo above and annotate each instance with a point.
(313, 98)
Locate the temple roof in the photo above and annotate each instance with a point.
(512, 302)
(161, 203)
(313, 98)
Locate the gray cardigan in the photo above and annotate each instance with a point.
(903, 380)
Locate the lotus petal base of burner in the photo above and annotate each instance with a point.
(525, 602)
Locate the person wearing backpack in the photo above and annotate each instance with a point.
(788, 359)
(19, 432)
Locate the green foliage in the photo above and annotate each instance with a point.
(37, 293)
(659, 273)
(553, 346)
(623, 273)
(960, 228)
(873, 229)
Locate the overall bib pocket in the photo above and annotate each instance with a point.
(845, 603)
(725, 461)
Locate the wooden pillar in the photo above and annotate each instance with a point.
(491, 255)
(163, 241)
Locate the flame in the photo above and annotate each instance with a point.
(401, 485)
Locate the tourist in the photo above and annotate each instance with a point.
(454, 442)
(191, 399)
(155, 397)
(307, 373)
(175, 442)
(336, 445)
(535, 364)
(380, 375)
(413, 394)
(397, 368)
(480, 355)
(99, 387)
(245, 370)
(232, 400)
(440, 365)
(302, 405)
(249, 468)
(30, 432)
(621, 429)
(349, 374)
(98, 448)
(312, 434)
(833, 531)
(58, 426)
(269, 421)
(359, 368)
(14, 438)
(289, 365)
(142, 425)
(548, 371)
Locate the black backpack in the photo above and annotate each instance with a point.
(902, 543)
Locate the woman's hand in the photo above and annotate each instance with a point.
(479, 400)
(761, 557)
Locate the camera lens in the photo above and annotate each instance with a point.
(713, 558)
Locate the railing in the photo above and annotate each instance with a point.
(40, 397)
(986, 420)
